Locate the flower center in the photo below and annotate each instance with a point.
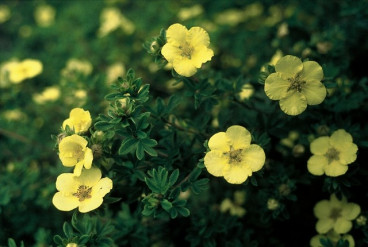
(235, 156)
(186, 50)
(332, 154)
(296, 83)
(83, 192)
(335, 213)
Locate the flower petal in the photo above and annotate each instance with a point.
(201, 55)
(276, 87)
(335, 168)
(254, 157)
(176, 34)
(320, 145)
(170, 52)
(316, 165)
(324, 225)
(198, 36)
(66, 183)
(341, 139)
(311, 71)
(349, 154)
(88, 158)
(89, 177)
(184, 66)
(78, 168)
(102, 187)
(322, 209)
(65, 203)
(237, 174)
(90, 204)
(289, 65)
(315, 92)
(239, 137)
(294, 103)
(350, 211)
(219, 142)
(342, 226)
(215, 162)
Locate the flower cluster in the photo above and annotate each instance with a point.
(186, 50)
(83, 188)
(20, 71)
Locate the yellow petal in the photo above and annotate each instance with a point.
(348, 155)
(316, 241)
(341, 139)
(170, 52)
(350, 239)
(90, 204)
(66, 183)
(315, 92)
(102, 187)
(322, 209)
(342, 226)
(324, 225)
(89, 177)
(88, 158)
(198, 36)
(311, 71)
(34, 67)
(78, 168)
(350, 211)
(201, 55)
(215, 162)
(289, 65)
(65, 203)
(316, 165)
(176, 34)
(276, 87)
(219, 142)
(320, 145)
(237, 174)
(254, 157)
(184, 66)
(68, 122)
(294, 103)
(335, 168)
(239, 137)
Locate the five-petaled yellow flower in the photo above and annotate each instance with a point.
(335, 215)
(185, 49)
(28, 68)
(331, 155)
(73, 151)
(85, 192)
(79, 120)
(295, 84)
(232, 156)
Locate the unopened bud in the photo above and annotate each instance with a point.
(298, 150)
(272, 204)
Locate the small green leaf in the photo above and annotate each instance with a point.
(128, 145)
(101, 125)
(183, 211)
(139, 152)
(174, 177)
(11, 242)
(58, 240)
(114, 96)
(166, 205)
(68, 230)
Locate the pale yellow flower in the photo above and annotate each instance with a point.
(5, 13)
(73, 151)
(335, 215)
(232, 156)
(331, 155)
(191, 12)
(186, 49)
(246, 92)
(48, 95)
(112, 19)
(295, 84)
(85, 192)
(272, 204)
(79, 120)
(28, 68)
(234, 207)
(44, 15)
(72, 245)
(114, 71)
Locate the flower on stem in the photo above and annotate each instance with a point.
(185, 49)
(79, 120)
(232, 156)
(295, 84)
(85, 192)
(335, 215)
(331, 155)
(73, 151)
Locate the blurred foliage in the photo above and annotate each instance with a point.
(151, 126)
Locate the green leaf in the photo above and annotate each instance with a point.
(139, 152)
(58, 240)
(114, 96)
(128, 145)
(166, 205)
(183, 211)
(11, 242)
(101, 125)
(174, 177)
(195, 174)
(68, 230)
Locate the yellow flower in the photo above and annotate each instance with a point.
(74, 65)
(295, 84)
(235, 207)
(44, 15)
(49, 94)
(85, 192)
(73, 151)
(79, 120)
(186, 49)
(28, 68)
(332, 154)
(333, 237)
(232, 156)
(4, 13)
(72, 245)
(335, 215)
(188, 13)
